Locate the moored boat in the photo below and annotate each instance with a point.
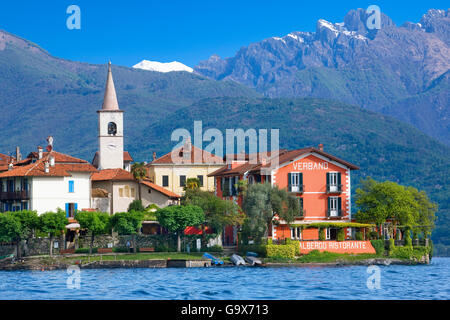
(237, 260)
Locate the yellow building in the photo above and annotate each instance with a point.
(172, 170)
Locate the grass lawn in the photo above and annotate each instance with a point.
(136, 256)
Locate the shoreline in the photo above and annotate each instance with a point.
(30, 265)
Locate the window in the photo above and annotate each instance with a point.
(165, 181)
(182, 181)
(328, 234)
(334, 182)
(296, 233)
(201, 180)
(71, 208)
(334, 206)
(133, 193)
(112, 128)
(127, 191)
(295, 181)
(121, 192)
(71, 186)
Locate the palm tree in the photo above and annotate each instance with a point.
(192, 184)
(139, 172)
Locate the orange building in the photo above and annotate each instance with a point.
(320, 180)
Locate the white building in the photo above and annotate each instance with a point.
(46, 181)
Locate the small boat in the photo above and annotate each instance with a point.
(213, 259)
(251, 254)
(253, 261)
(237, 260)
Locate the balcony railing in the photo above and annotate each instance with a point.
(334, 188)
(14, 195)
(337, 213)
(297, 189)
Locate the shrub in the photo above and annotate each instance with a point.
(215, 248)
(391, 246)
(408, 240)
(259, 249)
(121, 249)
(322, 234)
(403, 252)
(286, 251)
(373, 235)
(341, 235)
(86, 250)
(378, 245)
(359, 236)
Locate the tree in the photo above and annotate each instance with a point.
(379, 202)
(29, 221)
(53, 223)
(127, 223)
(10, 229)
(177, 218)
(139, 172)
(218, 212)
(136, 205)
(262, 202)
(95, 222)
(192, 184)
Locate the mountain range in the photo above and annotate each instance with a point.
(397, 70)
(43, 95)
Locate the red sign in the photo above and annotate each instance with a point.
(337, 246)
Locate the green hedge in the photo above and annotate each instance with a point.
(286, 251)
(258, 248)
(378, 245)
(86, 250)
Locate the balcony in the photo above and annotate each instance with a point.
(14, 195)
(334, 214)
(334, 188)
(297, 189)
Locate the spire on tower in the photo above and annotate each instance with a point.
(110, 99)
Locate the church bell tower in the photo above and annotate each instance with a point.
(110, 129)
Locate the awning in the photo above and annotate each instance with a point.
(73, 226)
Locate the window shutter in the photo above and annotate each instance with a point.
(328, 178)
(339, 206)
(67, 210)
(289, 182)
(76, 207)
(329, 205)
(339, 178)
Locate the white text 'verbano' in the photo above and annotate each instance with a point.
(310, 166)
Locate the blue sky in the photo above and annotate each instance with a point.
(187, 31)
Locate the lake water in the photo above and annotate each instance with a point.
(290, 283)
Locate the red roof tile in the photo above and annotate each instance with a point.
(112, 175)
(160, 189)
(64, 164)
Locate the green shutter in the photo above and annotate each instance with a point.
(329, 205)
(339, 206)
(328, 178)
(339, 179)
(289, 182)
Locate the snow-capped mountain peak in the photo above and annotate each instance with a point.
(162, 67)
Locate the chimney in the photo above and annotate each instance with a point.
(18, 155)
(50, 143)
(40, 153)
(46, 167)
(10, 165)
(321, 147)
(52, 161)
(154, 155)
